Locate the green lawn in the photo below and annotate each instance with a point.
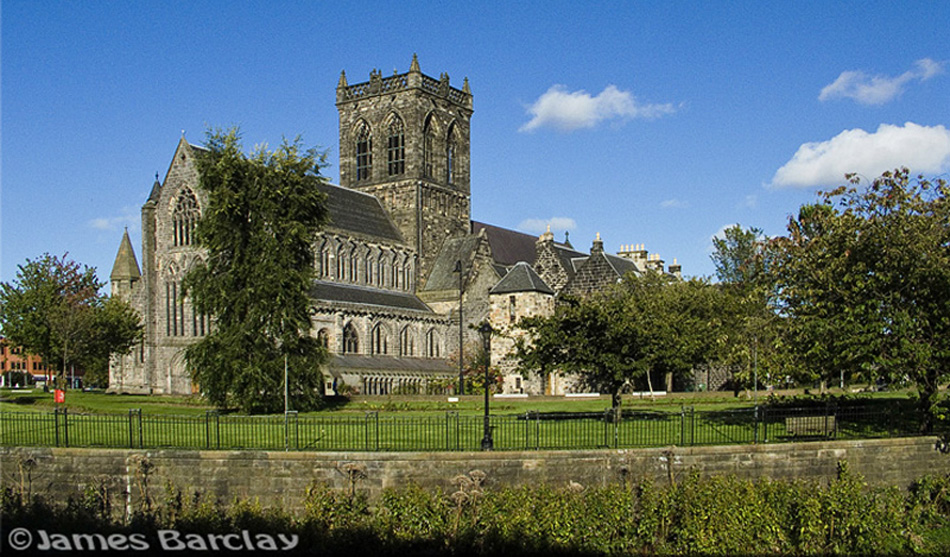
(430, 423)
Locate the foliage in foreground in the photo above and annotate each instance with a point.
(718, 515)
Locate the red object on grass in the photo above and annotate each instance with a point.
(59, 396)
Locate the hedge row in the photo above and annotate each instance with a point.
(717, 515)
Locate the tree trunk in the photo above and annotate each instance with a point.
(615, 403)
(924, 410)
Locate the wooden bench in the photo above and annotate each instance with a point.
(811, 426)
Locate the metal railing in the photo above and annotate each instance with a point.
(373, 431)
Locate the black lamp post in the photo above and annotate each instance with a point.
(458, 269)
(486, 331)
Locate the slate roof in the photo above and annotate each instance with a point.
(358, 212)
(359, 362)
(521, 278)
(362, 295)
(125, 267)
(622, 265)
(443, 275)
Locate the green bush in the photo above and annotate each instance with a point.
(697, 515)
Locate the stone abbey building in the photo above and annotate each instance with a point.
(399, 260)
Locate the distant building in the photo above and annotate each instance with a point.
(19, 368)
(399, 254)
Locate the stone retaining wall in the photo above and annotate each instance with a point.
(283, 477)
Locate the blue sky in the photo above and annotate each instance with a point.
(655, 123)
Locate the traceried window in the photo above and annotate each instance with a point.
(174, 309)
(451, 151)
(184, 218)
(396, 147)
(364, 153)
(432, 344)
(428, 149)
(379, 344)
(325, 261)
(407, 343)
(351, 340)
(323, 337)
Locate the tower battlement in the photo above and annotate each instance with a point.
(413, 79)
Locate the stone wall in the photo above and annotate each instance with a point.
(283, 477)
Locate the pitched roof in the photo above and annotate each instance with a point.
(521, 278)
(362, 295)
(126, 267)
(508, 247)
(443, 275)
(360, 213)
(622, 265)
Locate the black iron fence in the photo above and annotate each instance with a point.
(451, 431)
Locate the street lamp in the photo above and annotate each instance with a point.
(486, 331)
(458, 269)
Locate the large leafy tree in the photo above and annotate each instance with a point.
(54, 309)
(258, 226)
(865, 276)
(754, 335)
(647, 325)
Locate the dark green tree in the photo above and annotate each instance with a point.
(261, 218)
(646, 325)
(864, 276)
(54, 309)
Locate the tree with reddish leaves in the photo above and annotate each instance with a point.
(54, 309)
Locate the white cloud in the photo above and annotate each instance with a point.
(128, 219)
(922, 149)
(673, 204)
(569, 111)
(538, 226)
(878, 89)
(750, 201)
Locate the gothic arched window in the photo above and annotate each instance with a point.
(451, 152)
(428, 149)
(184, 218)
(396, 147)
(432, 344)
(351, 340)
(364, 153)
(323, 337)
(407, 343)
(379, 344)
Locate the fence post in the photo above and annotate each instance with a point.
(56, 424)
(692, 426)
(682, 426)
(296, 431)
(65, 427)
(132, 413)
(755, 425)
